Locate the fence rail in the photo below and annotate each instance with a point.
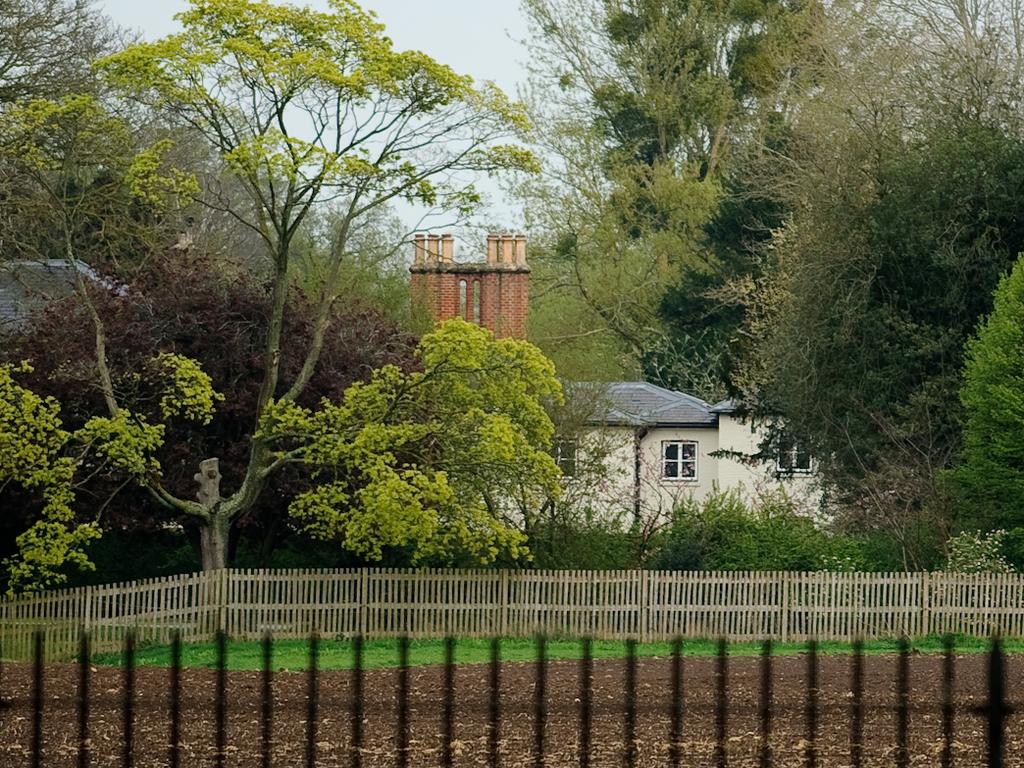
(429, 603)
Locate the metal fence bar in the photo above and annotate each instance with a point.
(83, 699)
(403, 702)
(494, 708)
(448, 705)
(312, 700)
(676, 708)
(267, 701)
(220, 707)
(174, 757)
(540, 704)
(37, 699)
(721, 703)
(903, 704)
(356, 723)
(811, 706)
(629, 718)
(948, 710)
(996, 707)
(586, 699)
(765, 706)
(857, 705)
(128, 705)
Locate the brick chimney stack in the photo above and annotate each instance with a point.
(493, 294)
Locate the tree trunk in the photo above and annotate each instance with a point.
(213, 543)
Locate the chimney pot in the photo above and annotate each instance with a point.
(520, 249)
(447, 248)
(419, 251)
(492, 248)
(434, 248)
(507, 247)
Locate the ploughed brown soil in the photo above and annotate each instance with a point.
(517, 733)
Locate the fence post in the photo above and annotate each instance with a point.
(784, 622)
(926, 603)
(503, 605)
(363, 578)
(85, 615)
(644, 606)
(223, 584)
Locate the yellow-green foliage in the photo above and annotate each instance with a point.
(436, 461)
(78, 135)
(189, 393)
(127, 441)
(245, 72)
(38, 454)
(32, 441)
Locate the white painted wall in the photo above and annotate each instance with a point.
(613, 496)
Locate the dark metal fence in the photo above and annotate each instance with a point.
(993, 711)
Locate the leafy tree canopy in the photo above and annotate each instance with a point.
(990, 478)
(435, 460)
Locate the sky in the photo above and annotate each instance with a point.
(480, 38)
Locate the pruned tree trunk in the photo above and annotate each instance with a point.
(213, 534)
(213, 543)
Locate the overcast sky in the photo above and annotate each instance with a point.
(480, 38)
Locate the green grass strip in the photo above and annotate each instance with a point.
(293, 655)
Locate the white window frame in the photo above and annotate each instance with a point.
(680, 461)
(792, 450)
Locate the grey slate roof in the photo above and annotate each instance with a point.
(25, 285)
(637, 403)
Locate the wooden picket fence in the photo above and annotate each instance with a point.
(645, 605)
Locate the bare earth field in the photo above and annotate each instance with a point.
(789, 726)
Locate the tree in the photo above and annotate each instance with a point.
(77, 184)
(32, 456)
(900, 173)
(643, 109)
(194, 306)
(304, 107)
(990, 477)
(439, 461)
(47, 48)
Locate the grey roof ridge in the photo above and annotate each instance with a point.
(674, 394)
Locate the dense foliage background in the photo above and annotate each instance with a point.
(810, 207)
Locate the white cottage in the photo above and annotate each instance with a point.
(657, 446)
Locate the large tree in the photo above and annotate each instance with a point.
(644, 108)
(192, 305)
(305, 107)
(902, 174)
(990, 478)
(47, 48)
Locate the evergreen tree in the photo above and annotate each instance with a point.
(990, 478)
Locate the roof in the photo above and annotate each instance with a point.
(26, 284)
(638, 403)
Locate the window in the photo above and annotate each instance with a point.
(679, 460)
(462, 300)
(476, 302)
(793, 458)
(565, 455)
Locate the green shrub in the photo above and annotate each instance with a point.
(587, 542)
(724, 533)
(976, 552)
